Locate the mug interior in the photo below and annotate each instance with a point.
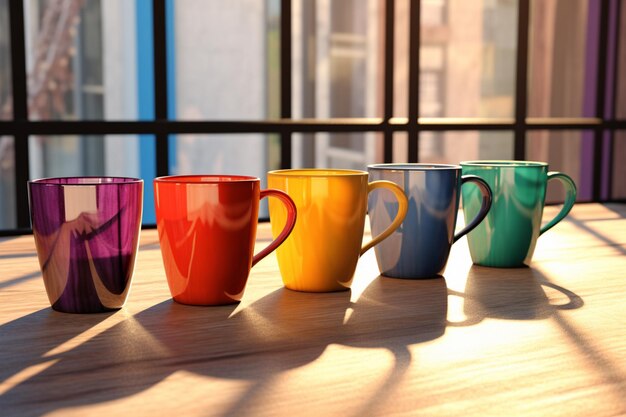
(315, 172)
(205, 179)
(85, 180)
(412, 167)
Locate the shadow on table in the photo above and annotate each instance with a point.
(510, 293)
(597, 234)
(519, 294)
(394, 314)
(281, 331)
(27, 345)
(18, 255)
(24, 342)
(19, 280)
(390, 314)
(617, 208)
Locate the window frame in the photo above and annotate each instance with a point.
(20, 127)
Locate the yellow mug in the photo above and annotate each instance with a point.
(322, 251)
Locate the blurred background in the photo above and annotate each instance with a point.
(94, 60)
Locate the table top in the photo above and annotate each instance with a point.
(545, 340)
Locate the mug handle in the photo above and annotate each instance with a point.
(403, 206)
(485, 190)
(570, 199)
(291, 222)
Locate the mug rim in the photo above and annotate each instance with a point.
(91, 180)
(205, 179)
(417, 166)
(503, 163)
(316, 172)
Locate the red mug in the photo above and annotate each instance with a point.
(207, 230)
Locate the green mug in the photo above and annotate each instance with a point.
(507, 236)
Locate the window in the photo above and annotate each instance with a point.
(156, 87)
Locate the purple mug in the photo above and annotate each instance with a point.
(86, 233)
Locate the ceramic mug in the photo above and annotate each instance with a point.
(420, 247)
(508, 235)
(207, 230)
(86, 233)
(322, 252)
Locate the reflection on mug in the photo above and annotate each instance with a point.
(508, 235)
(86, 231)
(207, 229)
(421, 246)
(511, 294)
(321, 254)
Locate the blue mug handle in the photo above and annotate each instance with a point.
(484, 208)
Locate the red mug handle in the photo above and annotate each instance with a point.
(291, 222)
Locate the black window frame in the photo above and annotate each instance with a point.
(20, 127)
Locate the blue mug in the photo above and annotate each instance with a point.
(419, 248)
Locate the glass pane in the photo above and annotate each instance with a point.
(337, 150)
(467, 58)
(110, 155)
(621, 66)
(69, 155)
(227, 59)
(619, 165)
(454, 147)
(6, 104)
(562, 58)
(83, 59)
(400, 147)
(401, 59)
(337, 58)
(7, 183)
(239, 154)
(568, 151)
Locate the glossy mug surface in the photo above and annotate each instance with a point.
(86, 231)
(508, 235)
(322, 252)
(207, 230)
(420, 247)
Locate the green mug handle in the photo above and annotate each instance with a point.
(570, 199)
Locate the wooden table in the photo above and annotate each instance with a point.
(546, 340)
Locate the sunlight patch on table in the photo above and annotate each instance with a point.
(140, 337)
(456, 315)
(25, 375)
(180, 394)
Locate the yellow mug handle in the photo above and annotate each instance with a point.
(403, 205)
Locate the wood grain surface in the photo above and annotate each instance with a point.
(546, 340)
